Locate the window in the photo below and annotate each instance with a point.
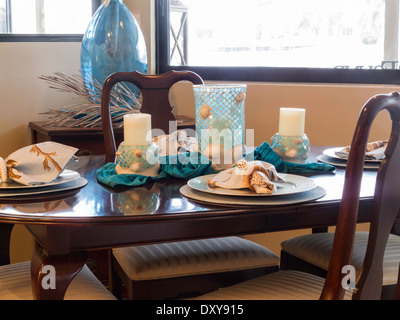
(281, 40)
(40, 19)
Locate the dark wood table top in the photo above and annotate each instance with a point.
(160, 201)
(97, 217)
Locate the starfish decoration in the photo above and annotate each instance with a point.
(48, 157)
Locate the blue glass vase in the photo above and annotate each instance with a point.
(113, 42)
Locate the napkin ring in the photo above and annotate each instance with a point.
(291, 148)
(137, 159)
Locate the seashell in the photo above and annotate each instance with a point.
(205, 111)
(136, 167)
(242, 164)
(291, 153)
(240, 97)
(138, 153)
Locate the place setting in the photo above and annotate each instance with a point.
(252, 183)
(38, 171)
(267, 176)
(337, 156)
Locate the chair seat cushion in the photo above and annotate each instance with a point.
(185, 258)
(15, 284)
(316, 249)
(282, 285)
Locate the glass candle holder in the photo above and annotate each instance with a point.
(291, 148)
(220, 121)
(138, 159)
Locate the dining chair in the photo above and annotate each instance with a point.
(168, 270)
(311, 253)
(294, 284)
(15, 278)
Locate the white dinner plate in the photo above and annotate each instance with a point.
(331, 153)
(69, 185)
(65, 176)
(313, 194)
(294, 184)
(342, 163)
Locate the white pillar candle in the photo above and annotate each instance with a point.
(291, 121)
(137, 129)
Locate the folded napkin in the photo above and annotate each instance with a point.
(183, 166)
(189, 165)
(254, 175)
(175, 143)
(36, 164)
(265, 153)
(374, 151)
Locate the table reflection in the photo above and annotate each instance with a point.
(139, 200)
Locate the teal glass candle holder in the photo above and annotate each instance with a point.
(294, 149)
(220, 121)
(138, 159)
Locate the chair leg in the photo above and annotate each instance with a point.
(115, 283)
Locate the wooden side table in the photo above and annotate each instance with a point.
(89, 141)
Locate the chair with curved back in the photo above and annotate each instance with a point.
(294, 284)
(16, 284)
(167, 270)
(311, 253)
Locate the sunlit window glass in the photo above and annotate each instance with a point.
(45, 16)
(284, 33)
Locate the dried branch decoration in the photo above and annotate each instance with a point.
(87, 115)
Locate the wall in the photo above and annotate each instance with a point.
(331, 109)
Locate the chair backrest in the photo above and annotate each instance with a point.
(155, 100)
(386, 204)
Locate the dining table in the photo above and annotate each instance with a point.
(68, 224)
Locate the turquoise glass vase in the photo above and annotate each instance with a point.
(113, 42)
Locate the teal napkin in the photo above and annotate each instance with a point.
(190, 165)
(183, 166)
(265, 153)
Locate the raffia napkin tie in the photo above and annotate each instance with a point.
(36, 164)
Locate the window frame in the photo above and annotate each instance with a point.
(263, 74)
(47, 37)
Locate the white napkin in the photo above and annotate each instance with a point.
(36, 164)
(254, 175)
(175, 143)
(374, 151)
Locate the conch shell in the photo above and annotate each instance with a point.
(240, 97)
(205, 111)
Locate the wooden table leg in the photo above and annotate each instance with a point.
(5, 235)
(51, 275)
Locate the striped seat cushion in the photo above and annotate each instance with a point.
(15, 284)
(316, 249)
(184, 258)
(282, 285)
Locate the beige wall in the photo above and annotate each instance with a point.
(330, 118)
